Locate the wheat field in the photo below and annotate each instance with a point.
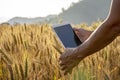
(31, 52)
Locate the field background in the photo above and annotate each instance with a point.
(31, 52)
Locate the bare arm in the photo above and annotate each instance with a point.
(104, 34)
(100, 38)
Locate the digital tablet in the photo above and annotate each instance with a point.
(67, 36)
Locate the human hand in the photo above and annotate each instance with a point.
(68, 60)
(82, 34)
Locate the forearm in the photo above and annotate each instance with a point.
(100, 38)
(103, 35)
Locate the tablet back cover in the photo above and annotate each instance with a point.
(67, 36)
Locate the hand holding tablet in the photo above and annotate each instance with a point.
(67, 36)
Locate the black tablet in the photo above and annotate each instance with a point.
(67, 36)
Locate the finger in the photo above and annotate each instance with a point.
(69, 69)
(62, 57)
(65, 62)
(62, 63)
(66, 72)
(75, 29)
(64, 67)
(59, 60)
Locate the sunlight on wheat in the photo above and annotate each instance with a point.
(31, 52)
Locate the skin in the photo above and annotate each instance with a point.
(82, 34)
(95, 42)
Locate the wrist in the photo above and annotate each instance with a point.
(79, 55)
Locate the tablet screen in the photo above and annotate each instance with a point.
(67, 36)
